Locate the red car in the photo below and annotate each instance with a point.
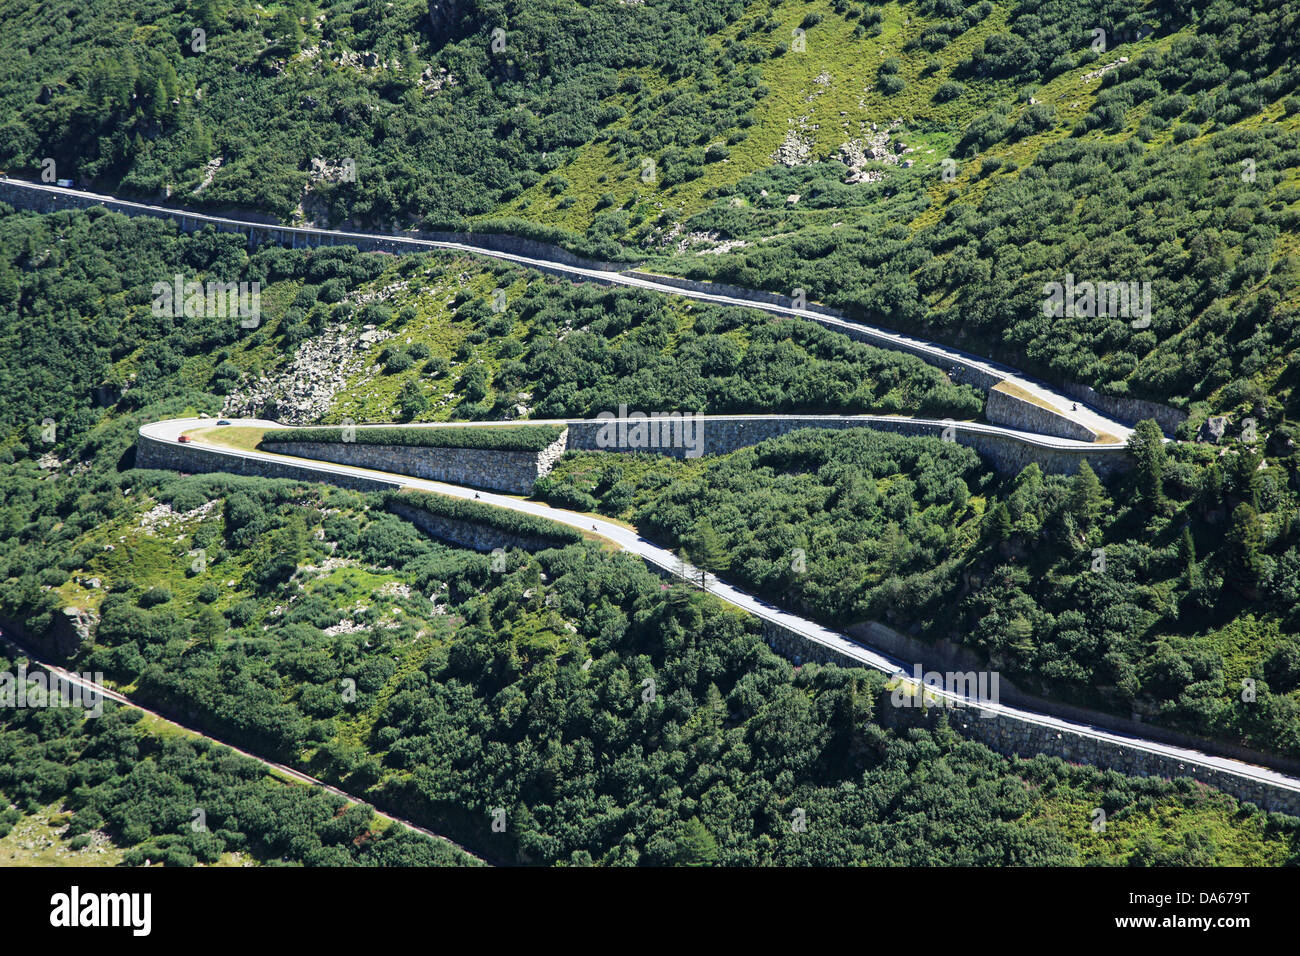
(185, 438)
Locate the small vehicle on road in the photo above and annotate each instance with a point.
(185, 439)
(223, 421)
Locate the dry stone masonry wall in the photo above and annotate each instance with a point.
(196, 459)
(467, 534)
(1015, 735)
(510, 471)
(515, 472)
(1130, 411)
(1016, 412)
(1007, 453)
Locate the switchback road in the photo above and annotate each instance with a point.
(629, 540)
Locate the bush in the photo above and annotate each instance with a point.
(375, 314)
(398, 360)
(333, 291)
(155, 596)
(52, 577)
(891, 83)
(947, 91)
(243, 613)
(564, 496)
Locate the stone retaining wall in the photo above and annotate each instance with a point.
(944, 655)
(1017, 736)
(513, 472)
(468, 534)
(1008, 454)
(1130, 411)
(1004, 408)
(196, 459)
(1014, 736)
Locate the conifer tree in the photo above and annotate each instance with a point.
(1244, 550)
(1087, 497)
(1147, 446)
(704, 549)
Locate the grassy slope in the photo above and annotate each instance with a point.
(843, 105)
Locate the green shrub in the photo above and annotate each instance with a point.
(155, 596)
(891, 83)
(564, 496)
(948, 90)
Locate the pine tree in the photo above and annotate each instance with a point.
(209, 625)
(209, 14)
(1211, 488)
(1245, 544)
(704, 549)
(1187, 557)
(1087, 497)
(1147, 446)
(715, 709)
(695, 845)
(997, 523)
(1245, 476)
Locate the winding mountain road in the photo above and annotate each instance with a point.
(629, 540)
(944, 356)
(938, 354)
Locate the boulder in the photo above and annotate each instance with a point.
(1214, 429)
